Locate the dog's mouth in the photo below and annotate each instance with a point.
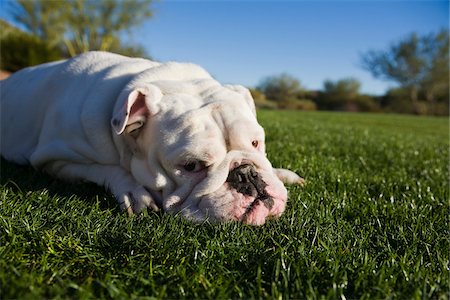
(265, 199)
(248, 182)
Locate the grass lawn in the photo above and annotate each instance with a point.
(372, 222)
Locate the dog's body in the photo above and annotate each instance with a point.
(157, 135)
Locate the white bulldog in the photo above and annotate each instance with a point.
(156, 135)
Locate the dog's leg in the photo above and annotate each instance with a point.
(289, 177)
(132, 196)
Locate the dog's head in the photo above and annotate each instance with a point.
(198, 147)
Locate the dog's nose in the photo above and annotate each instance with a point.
(246, 180)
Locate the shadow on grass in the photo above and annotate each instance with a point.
(26, 179)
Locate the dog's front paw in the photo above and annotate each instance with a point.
(289, 177)
(136, 200)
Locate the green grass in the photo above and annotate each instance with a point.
(372, 222)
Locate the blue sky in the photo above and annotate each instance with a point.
(245, 41)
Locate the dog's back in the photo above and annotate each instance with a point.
(27, 97)
(22, 106)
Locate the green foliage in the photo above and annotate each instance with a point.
(261, 100)
(280, 88)
(401, 63)
(42, 19)
(283, 91)
(371, 223)
(289, 103)
(397, 100)
(94, 25)
(298, 104)
(367, 103)
(344, 95)
(348, 87)
(19, 50)
(417, 63)
(76, 26)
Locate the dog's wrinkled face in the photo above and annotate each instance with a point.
(200, 150)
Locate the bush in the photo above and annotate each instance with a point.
(441, 109)
(280, 88)
(19, 50)
(298, 104)
(261, 100)
(402, 106)
(367, 103)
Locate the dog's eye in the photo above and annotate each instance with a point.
(194, 166)
(255, 144)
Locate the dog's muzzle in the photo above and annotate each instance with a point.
(247, 181)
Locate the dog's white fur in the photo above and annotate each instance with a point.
(133, 125)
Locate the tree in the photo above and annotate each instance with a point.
(397, 100)
(344, 94)
(415, 62)
(401, 63)
(78, 26)
(95, 25)
(20, 49)
(339, 94)
(436, 81)
(280, 88)
(347, 88)
(43, 19)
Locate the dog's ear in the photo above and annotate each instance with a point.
(133, 109)
(245, 93)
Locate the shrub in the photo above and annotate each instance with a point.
(298, 104)
(20, 50)
(367, 104)
(261, 100)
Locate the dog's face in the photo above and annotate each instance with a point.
(200, 150)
